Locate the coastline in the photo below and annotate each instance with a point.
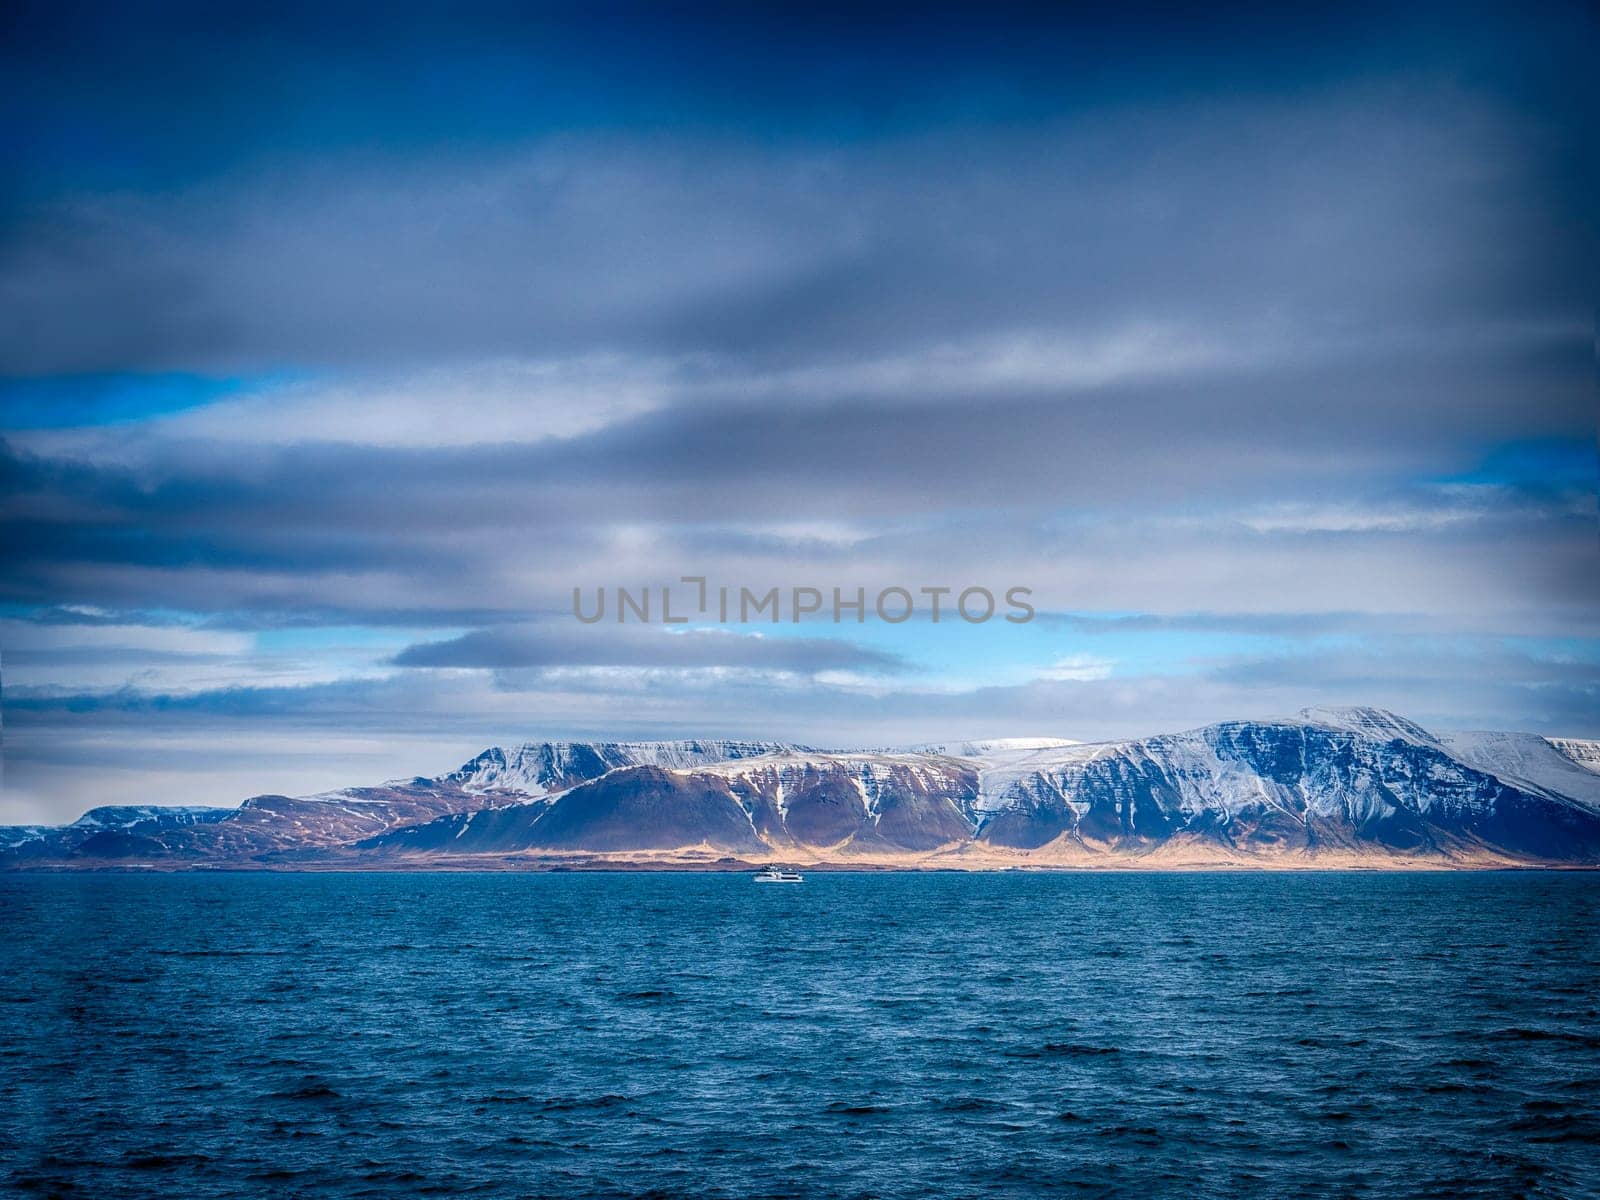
(621, 865)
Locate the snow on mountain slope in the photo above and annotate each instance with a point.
(1532, 761)
(1563, 767)
(1297, 786)
(699, 753)
(120, 816)
(790, 798)
(1584, 752)
(536, 769)
(17, 835)
(1349, 782)
(1001, 761)
(1003, 769)
(913, 801)
(266, 828)
(1293, 783)
(1377, 723)
(990, 747)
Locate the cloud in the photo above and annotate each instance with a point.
(466, 404)
(459, 537)
(524, 648)
(88, 654)
(1078, 668)
(1055, 252)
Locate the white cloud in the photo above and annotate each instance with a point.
(1078, 668)
(57, 659)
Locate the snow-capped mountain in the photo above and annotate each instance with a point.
(260, 827)
(101, 827)
(1559, 768)
(1307, 785)
(1328, 785)
(989, 748)
(17, 835)
(1585, 753)
(127, 816)
(541, 768)
(1375, 723)
(789, 798)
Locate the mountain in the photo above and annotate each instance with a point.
(1323, 783)
(103, 828)
(1553, 767)
(789, 799)
(542, 768)
(1585, 754)
(1375, 723)
(1339, 787)
(990, 748)
(261, 830)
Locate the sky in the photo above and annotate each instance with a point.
(339, 348)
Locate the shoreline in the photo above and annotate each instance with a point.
(659, 867)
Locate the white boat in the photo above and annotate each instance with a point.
(774, 875)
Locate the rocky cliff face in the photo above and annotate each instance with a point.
(1328, 784)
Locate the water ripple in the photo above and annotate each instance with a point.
(572, 1035)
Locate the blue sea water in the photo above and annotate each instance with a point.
(1140, 1035)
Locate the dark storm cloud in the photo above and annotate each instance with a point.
(153, 93)
(277, 534)
(1374, 214)
(1367, 275)
(1334, 431)
(265, 538)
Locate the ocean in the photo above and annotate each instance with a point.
(860, 1035)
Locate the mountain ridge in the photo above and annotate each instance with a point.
(1356, 786)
